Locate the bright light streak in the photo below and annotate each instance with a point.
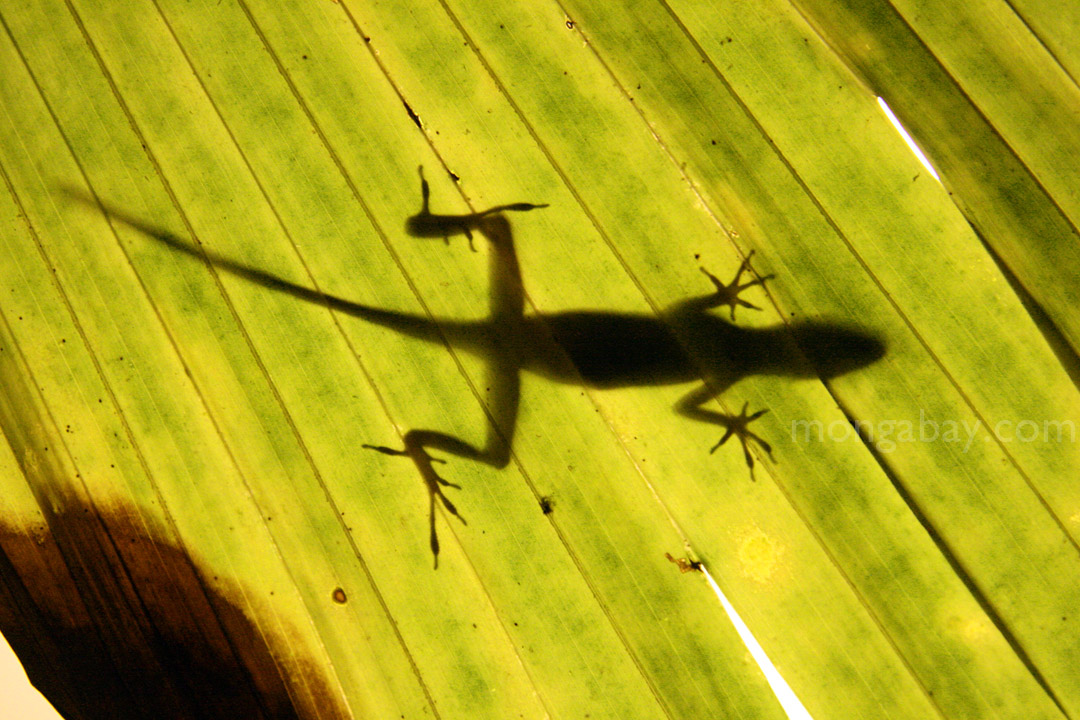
(791, 704)
(907, 138)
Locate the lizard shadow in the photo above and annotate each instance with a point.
(687, 343)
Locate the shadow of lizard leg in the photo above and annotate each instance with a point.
(690, 406)
(504, 379)
(505, 385)
(728, 294)
(416, 444)
(499, 345)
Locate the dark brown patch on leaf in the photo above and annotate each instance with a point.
(112, 619)
(112, 623)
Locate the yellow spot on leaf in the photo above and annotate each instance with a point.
(972, 628)
(759, 555)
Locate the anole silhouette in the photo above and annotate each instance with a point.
(599, 349)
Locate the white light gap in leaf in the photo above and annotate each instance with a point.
(788, 700)
(907, 138)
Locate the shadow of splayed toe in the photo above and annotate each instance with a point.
(141, 638)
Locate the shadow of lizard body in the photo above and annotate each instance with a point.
(614, 350)
(686, 343)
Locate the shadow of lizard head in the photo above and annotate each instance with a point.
(834, 350)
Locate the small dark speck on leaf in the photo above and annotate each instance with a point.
(697, 256)
(305, 57)
(570, 24)
(339, 596)
(455, 176)
(547, 505)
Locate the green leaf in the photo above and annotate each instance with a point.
(204, 239)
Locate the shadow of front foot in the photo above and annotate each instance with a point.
(425, 464)
(737, 426)
(729, 294)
